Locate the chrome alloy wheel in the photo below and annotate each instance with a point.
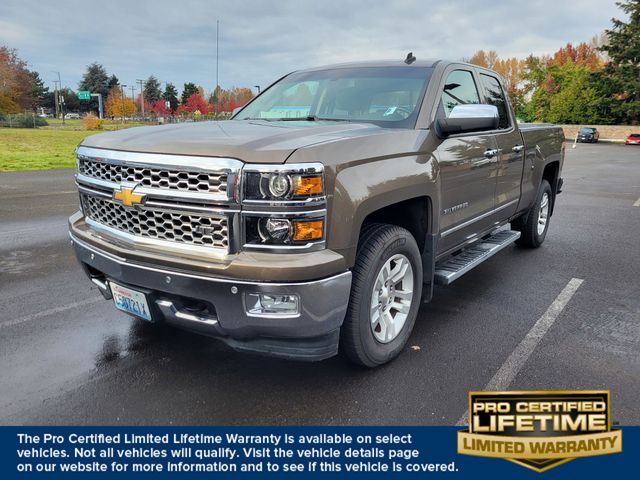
(543, 213)
(391, 298)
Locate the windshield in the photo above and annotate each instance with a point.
(586, 130)
(387, 96)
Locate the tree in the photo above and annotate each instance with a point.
(15, 82)
(118, 105)
(112, 82)
(484, 59)
(152, 91)
(188, 90)
(38, 90)
(159, 107)
(623, 69)
(171, 95)
(195, 104)
(95, 80)
(71, 101)
(581, 54)
(576, 100)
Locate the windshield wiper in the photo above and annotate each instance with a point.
(309, 118)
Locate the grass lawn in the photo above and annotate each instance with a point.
(46, 147)
(38, 149)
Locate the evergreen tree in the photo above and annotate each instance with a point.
(152, 92)
(171, 95)
(112, 82)
(188, 90)
(95, 80)
(38, 90)
(623, 69)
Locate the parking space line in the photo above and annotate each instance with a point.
(51, 311)
(637, 204)
(514, 363)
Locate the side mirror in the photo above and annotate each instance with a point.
(468, 118)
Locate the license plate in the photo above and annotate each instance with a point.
(130, 301)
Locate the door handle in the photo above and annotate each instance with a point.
(517, 148)
(491, 153)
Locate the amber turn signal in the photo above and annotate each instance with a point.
(308, 230)
(308, 185)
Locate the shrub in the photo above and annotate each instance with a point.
(91, 122)
(23, 120)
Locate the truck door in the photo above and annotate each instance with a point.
(510, 148)
(467, 168)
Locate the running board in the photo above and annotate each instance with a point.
(456, 266)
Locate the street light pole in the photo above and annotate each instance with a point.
(257, 87)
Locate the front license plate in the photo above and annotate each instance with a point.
(130, 301)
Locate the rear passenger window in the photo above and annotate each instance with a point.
(459, 89)
(496, 97)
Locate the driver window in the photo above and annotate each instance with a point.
(459, 89)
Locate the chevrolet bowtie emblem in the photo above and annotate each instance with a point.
(126, 196)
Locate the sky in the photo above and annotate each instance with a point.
(259, 41)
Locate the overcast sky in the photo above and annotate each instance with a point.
(261, 40)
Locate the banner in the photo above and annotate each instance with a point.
(271, 452)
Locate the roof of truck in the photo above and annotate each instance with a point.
(375, 63)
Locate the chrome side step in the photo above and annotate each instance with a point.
(456, 266)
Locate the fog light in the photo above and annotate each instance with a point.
(272, 305)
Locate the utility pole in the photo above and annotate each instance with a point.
(57, 95)
(141, 82)
(133, 98)
(55, 98)
(122, 87)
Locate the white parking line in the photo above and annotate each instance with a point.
(637, 204)
(50, 311)
(514, 363)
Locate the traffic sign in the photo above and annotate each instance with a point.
(84, 95)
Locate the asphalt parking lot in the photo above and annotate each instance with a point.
(67, 356)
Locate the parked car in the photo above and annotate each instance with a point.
(588, 135)
(633, 139)
(70, 116)
(295, 236)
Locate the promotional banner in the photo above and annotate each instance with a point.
(271, 452)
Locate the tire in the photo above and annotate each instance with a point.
(531, 236)
(363, 341)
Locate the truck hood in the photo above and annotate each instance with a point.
(250, 141)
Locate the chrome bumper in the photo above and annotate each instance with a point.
(311, 335)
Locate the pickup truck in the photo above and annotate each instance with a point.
(321, 215)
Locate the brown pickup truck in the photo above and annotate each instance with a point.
(323, 213)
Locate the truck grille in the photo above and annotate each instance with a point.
(154, 177)
(201, 230)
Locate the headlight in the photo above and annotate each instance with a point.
(295, 182)
(284, 206)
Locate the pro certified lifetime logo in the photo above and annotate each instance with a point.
(539, 429)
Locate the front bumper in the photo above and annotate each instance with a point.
(172, 294)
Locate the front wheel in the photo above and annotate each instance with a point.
(385, 295)
(534, 224)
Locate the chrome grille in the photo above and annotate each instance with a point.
(157, 224)
(205, 182)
